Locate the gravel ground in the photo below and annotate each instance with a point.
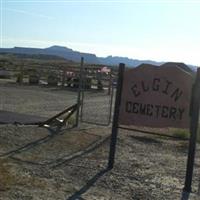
(35, 100)
(72, 164)
(48, 101)
(39, 164)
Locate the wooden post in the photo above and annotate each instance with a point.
(116, 116)
(79, 91)
(194, 112)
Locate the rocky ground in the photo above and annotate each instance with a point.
(41, 164)
(38, 164)
(47, 101)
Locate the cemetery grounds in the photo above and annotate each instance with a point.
(38, 164)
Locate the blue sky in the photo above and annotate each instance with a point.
(162, 30)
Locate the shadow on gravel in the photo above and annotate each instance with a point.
(30, 145)
(185, 196)
(57, 162)
(90, 183)
(145, 139)
(89, 149)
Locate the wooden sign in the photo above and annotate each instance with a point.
(156, 96)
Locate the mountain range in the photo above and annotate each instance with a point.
(75, 56)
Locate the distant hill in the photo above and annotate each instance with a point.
(33, 56)
(115, 60)
(64, 52)
(75, 56)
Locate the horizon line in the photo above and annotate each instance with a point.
(145, 59)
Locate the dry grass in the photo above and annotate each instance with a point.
(11, 176)
(184, 133)
(181, 133)
(6, 177)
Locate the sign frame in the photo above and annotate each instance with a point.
(194, 118)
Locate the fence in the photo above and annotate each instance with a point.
(97, 96)
(37, 91)
(44, 90)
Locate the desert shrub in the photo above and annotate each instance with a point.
(75, 82)
(184, 134)
(34, 79)
(52, 80)
(99, 85)
(19, 78)
(181, 133)
(88, 83)
(71, 121)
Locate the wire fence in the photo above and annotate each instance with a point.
(44, 91)
(40, 91)
(97, 97)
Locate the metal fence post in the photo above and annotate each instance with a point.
(79, 91)
(116, 116)
(194, 112)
